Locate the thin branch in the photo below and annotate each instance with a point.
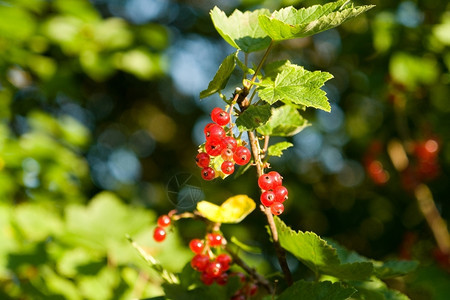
(281, 254)
(251, 271)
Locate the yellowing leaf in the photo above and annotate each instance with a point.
(233, 210)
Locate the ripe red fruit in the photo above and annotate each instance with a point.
(266, 182)
(242, 155)
(196, 245)
(199, 262)
(214, 132)
(220, 116)
(281, 193)
(277, 179)
(229, 142)
(227, 154)
(164, 221)
(251, 289)
(206, 278)
(208, 173)
(222, 279)
(227, 167)
(159, 234)
(213, 147)
(277, 208)
(267, 198)
(213, 269)
(202, 159)
(214, 239)
(225, 260)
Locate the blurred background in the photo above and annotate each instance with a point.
(101, 119)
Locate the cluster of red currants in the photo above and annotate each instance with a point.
(159, 234)
(248, 290)
(213, 268)
(274, 193)
(221, 148)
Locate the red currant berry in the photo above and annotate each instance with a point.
(206, 129)
(277, 208)
(267, 198)
(199, 262)
(242, 155)
(266, 182)
(213, 269)
(214, 239)
(227, 167)
(215, 132)
(251, 289)
(222, 279)
(281, 193)
(225, 260)
(159, 234)
(196, 245)
(229, 142)
(238, 297)
(277, 179)
(242, 277)
(220, 116)
(202, 159)
(164, 221)
(227, 154)
(213, 147)
(208, 173)
(206, 278)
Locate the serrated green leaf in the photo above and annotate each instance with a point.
(278, 148)
(376, 289)
(241, 30)
(233, 210)
(305, 290)
(285, 121)
(383, 270)
(253, 117)
(318, 255)
(289, 23)
(222, 75)
(296, 85)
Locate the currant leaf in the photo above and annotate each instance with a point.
(253, 117)
(241, 30)
(305, 290)
(289, 23)
(233, 210)
(296, 85)
(285, 121)
(278, 148)
(222, 75)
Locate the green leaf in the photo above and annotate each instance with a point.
(289, 23)
(296, 85)
(253, 117)
(383, 270)
(318, 255)
(278, 148)
(304, 290)
(285, 121)
(233, 210)
(221, 78)
(245, 247)
(241, 30)
(376, 289)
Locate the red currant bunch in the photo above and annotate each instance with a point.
(159, 234)
(274, 193)
(221, 151)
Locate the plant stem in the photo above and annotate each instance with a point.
(281, 254)
(251, 271)
(261, 63)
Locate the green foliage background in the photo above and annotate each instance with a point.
(100, 115)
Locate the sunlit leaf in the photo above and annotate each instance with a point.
(278, 148)
(318, 255)
(253, 117)
(241, 30)
(296, 85)
(233, 210)
(304, 290)
(222, 75)
(376, 289)
(285, 121)
(288, 23)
